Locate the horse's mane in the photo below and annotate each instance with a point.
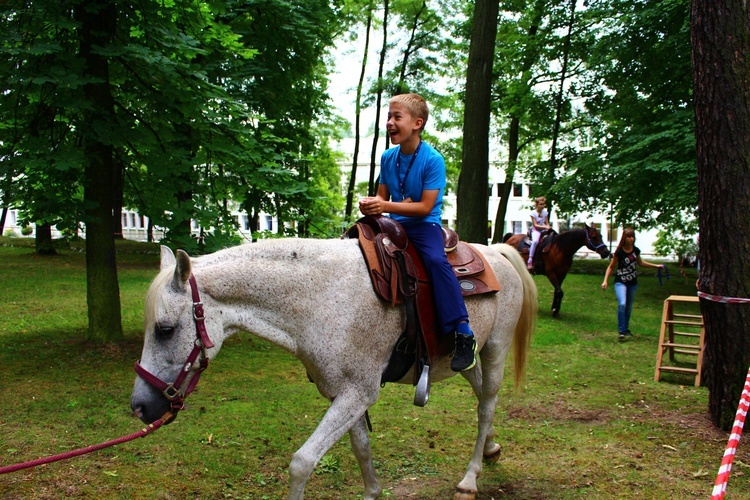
(570, 237)
(154, 292)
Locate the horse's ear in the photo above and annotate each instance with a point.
(167, 258)
(182, 271)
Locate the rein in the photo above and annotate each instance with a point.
(165, 419)
(177, 391)
(666, 271)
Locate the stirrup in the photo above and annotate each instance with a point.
(422, 393)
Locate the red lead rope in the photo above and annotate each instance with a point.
(174, 391)
(165, 419)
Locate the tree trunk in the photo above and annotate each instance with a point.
(510, 173)
(411, 47)
(559, 98)
(472, 200)
(43, 240)
(357, 120)
(279, 214)
(3, 217)
(97, 27)
(720, 31)
(378, 102)
(514, 148)
(117, 201)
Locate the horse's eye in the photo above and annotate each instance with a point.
(163, 332)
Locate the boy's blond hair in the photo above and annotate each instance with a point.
(415, 104)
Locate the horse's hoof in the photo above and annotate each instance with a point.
(492, 457)
(462, 494)
(555, 313)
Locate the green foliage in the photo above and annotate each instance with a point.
(643, 158)
(328, 464)
(212, 100)
(678, 237)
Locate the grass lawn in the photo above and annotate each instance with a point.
(591, 422)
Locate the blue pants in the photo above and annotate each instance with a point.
(450, 308)
(625, 297)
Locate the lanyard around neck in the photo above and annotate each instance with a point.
(401, 182)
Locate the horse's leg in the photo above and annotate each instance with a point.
(346, 410)
(557, 305)
(491, 449)
(360, 439)
(486, 384)
(557, 299)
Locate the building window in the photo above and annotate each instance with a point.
(269, 223)
(518, 190)
(611, 233)
(124, 220)
(517, 227)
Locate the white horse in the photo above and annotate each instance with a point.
(315, 299)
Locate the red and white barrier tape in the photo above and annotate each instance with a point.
(723, 300)
(722, 478)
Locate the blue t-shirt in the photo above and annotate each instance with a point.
(427, 172)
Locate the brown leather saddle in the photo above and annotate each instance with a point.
(545, 245)
(399, 277)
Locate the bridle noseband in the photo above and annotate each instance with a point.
(590, 244)
(177, 391)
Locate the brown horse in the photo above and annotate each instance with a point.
(554, 254)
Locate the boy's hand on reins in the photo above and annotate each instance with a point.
(370, 206)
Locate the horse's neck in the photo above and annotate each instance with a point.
(573, 239)
(276, 290)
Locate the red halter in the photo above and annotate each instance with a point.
(177, 391)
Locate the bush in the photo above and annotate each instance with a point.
(27, 230)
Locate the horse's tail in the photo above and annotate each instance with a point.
(526, 324)
(507, 236)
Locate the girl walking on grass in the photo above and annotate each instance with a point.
(625, 259)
